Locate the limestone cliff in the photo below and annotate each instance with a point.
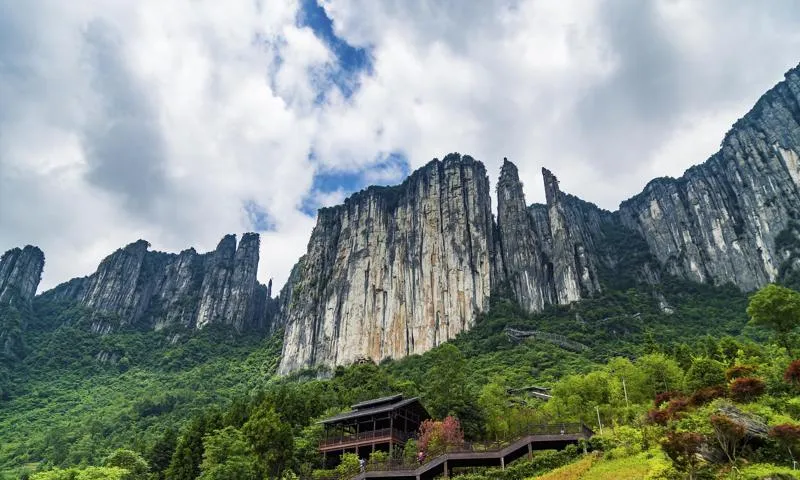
(550, 253)
(159, 290)
(719, 222)
(395, 270)
(20, 273)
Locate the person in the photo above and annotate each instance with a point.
(362, 464)
(420, 457)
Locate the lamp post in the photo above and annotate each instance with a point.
(600, 423)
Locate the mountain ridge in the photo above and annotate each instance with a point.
(397, 270)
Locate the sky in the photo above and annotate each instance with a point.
(181, 121)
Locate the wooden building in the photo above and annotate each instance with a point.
(379, 424)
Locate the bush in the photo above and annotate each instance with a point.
(378, 457)
(738, 371)
(705, 372)
(747, 389)
(349, 466)
(707, 394)
(792, 374)
(682, 448)
(665, 397)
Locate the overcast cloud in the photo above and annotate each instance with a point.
(181, 121)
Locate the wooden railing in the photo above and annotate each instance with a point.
(382, 433)
(548, 431)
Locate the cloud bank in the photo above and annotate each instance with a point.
(180, 121)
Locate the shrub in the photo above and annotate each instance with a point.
(705, 372)
(682, 448)
(738, 371)
(676, 406)
(349, 466)
(730, 435)
(435, 437)
(665, 397)
(707, 394)
(786, 434)
(746, 389)
(378, 457)
(792, 374)
(658, 416)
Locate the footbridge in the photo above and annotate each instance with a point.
(539, 437)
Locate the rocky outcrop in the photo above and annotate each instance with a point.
(550, 253)
(719, 222)
(192, 290)
(395, 270)
(20, 273)
(398, 270)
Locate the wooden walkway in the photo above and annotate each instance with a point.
(542, 437)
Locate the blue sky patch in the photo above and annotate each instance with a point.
(260, 220)
(389, 169)
(351, 61)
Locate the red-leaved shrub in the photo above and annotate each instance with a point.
(435, 436)
(676, 406)
(665, 397)
(707, 394)
(746, 389)
(738, 371)
(682, 448)
(657, 416)
(792, 373)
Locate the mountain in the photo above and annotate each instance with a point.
(20, 273)
(398, 270)
(157, 290)
(395, 270)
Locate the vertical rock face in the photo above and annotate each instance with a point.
(20, 273)
(522, 233)
(720, 221)
(549, 252)
(394, 271)
(159, 290)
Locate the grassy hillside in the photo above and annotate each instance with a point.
(171, 396)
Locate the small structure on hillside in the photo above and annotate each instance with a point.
(535, 391)
(379, 424)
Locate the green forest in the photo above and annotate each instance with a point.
(685, 380)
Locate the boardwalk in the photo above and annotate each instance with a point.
(540, 437)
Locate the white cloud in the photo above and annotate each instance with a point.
(221, 99)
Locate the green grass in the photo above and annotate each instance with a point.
(636, 467)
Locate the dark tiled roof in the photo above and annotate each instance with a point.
(377, 401)
(365, 412)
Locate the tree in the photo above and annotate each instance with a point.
(88, 473)
(788, 436)
(161, 452)
(447, 388)
(227, 454)
(494, 404)
(185, 463)
(436, 437)
(705, 372)
(683, 449)
(661, 374)
(131, 461)
(730, 435)
(270, 437)
(777, 308)
(448, 392)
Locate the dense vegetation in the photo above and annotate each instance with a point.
(138, 405)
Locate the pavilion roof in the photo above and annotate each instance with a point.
(382, 405)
